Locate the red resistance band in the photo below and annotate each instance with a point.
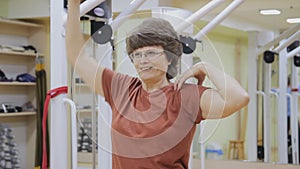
(50, 94)
(294, 89)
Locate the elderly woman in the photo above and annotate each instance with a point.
(154, 120)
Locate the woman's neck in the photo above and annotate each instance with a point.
(154, 85)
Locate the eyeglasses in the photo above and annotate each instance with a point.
(148, 54)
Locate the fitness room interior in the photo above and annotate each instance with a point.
(49, 117)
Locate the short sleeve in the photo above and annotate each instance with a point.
(200, 117)
(115, 85)
(107, 77)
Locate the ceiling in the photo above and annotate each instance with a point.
(246, 16)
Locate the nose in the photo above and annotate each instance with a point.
(144, 58)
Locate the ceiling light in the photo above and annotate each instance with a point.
(293, 20)
(269, 11)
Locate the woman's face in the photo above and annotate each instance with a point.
(150, 62)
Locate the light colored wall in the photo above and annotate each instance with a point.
(123, 63)
(3, 8)
(28, 8)
(226, 49)
(118, 6)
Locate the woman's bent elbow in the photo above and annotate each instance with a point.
(245, 99)
(235, 106)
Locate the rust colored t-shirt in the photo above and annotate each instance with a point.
(151, 130)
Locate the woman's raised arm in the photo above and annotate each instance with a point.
(85, 66)
(228, 96)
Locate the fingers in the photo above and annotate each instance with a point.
(178, 83)
(180, 80)
(194, 71)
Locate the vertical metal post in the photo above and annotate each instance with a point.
(58, 115)
(104, 112)
(94, 116)
(294, 115)
(201, 141)
(267, 112)
(282, 112)
(73, 132)
(252, 87)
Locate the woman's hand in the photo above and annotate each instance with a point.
(197, 71)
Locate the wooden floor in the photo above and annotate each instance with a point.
(226, 164)
(234, 164)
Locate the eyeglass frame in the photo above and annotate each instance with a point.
(143, 54)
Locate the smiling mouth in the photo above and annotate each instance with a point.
(145, 68)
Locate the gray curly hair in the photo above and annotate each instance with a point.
(155, 31)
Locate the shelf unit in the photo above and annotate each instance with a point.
(83, 98)
(18, 53)
(86, 158)
(20, 114)
(13, 63)
(17, 84)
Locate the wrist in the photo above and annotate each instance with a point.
(200, 70)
